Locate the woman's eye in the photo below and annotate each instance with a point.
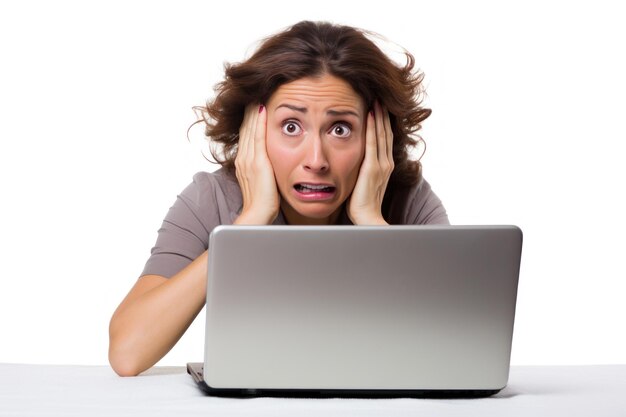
(342, 130)
(291, 128)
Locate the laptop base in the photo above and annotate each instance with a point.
(195, 370)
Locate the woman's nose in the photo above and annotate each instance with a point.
(315, 155)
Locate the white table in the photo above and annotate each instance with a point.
(45, 390)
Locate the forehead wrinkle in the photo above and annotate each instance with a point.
(317, 94)
(299, 99)
(328, 88)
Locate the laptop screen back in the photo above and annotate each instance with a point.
(361, 307)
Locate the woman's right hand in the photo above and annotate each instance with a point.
(255, 174)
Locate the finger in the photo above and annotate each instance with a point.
(381, 140)
(388, 136)
(242, 148)
(254, 113)
(245, 125)
(260, 131)
(370, 139)
(242, 153)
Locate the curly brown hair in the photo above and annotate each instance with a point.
(311, 49)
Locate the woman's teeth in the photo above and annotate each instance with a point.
(311, 188)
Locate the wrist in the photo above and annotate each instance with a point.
(370, 221)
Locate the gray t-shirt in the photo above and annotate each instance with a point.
(215, 198)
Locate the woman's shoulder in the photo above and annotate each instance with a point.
(214, 191)
(209, 183)
(208, 179)
(422, 206)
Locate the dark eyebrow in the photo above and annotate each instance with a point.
(329, 112)
(289, 106)
(341, 113)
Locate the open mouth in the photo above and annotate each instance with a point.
(310, 188)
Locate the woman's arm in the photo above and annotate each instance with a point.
(157, 311)
(154, 315)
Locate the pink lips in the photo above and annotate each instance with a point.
(314, 195)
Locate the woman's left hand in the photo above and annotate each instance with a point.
(365, 204)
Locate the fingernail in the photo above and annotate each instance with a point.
(261, 108)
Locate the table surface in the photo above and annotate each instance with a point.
(40, 390)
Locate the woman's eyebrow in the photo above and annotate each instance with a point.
(329, 112)
(341, 113)
(292, 107)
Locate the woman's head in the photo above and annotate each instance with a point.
(307, 53)
(315, 137)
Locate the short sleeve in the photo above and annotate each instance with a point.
(184, 233)
(424, 207)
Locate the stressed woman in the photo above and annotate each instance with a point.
(310, 125)
(314, 129)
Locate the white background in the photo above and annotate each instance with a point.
(95, 100)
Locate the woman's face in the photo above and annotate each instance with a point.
(315, 137)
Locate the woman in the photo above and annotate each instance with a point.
(314, 129)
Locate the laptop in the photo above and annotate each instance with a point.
(359, 311)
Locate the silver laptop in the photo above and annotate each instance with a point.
(359, 311)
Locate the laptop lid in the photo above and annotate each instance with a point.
(348, 309)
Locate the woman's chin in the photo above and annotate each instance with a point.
(322, 211)
(315, 212)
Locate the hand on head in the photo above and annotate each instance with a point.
(257, 180)
(261, 200)
(365, 204)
